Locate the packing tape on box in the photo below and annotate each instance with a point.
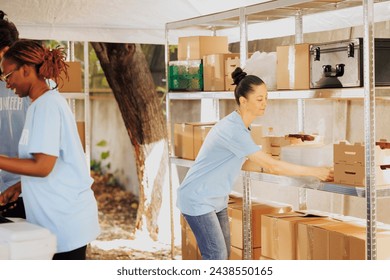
(310, 249)
(291, 65)
(275, 241)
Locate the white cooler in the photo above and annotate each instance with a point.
(24, 241)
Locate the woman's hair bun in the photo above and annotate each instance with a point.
(2, 15)
(238, 75)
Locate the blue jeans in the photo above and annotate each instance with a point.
(212, 233)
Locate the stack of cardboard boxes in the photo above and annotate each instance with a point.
(349, 164)
(235, 211)
(190, 250)
(305, 236)
(73, 84)
(215, 64)
(281, 234)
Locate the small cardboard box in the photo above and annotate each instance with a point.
(74, 84)
(272, 144)
(257, 133)
(293, 67)
(214, 71)
(185, 137)
(238, 253)
(258, 209)
(355, 174)
(354, 154)
(196, 47)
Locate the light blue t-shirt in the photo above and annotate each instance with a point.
(12, 115)
(62, 202)
(210, 180)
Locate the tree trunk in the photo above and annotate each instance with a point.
(129, 77)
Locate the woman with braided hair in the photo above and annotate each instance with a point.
(56, 183)
(12, 115)
(203, 195)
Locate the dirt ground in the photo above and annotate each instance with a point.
(117, 213)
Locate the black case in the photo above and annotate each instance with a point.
(340, 64)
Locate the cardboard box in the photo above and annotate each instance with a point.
(258, 209)
(293, 67)
(233, 200)
(200, 133)
(74, 84)
(355, 154)
(238, 253)
(312, 240)
(184, 137)
(257, 133)
(347, 241)
(81, 131)
(355, 174)
(278, 233)
(189, 137)
(196, 47)
(214, 71)
(272, 144)
(230, 65)
(265, 258)
(357, 246)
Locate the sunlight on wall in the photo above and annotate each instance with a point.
(209, 110)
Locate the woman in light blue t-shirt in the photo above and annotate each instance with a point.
(56, 183)
(202, 197)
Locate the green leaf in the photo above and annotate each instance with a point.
(102, 143)
(105, 155)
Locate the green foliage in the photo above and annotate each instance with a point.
(102, 166)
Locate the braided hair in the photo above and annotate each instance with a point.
(244, 83)
(49, 63)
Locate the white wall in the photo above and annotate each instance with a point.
(107, 124)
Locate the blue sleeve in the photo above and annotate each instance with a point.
(46, 131)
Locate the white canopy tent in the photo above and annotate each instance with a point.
(144, 21)
(107, 21)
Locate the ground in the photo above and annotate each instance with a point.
(117, 241)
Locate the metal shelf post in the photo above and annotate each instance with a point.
(302, 193)
(369, 126)
(247, 216)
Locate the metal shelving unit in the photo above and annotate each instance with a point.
(298, 182)
(382, 93)
(71, 97)
(274, 10)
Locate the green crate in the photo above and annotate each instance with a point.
(185, 75)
